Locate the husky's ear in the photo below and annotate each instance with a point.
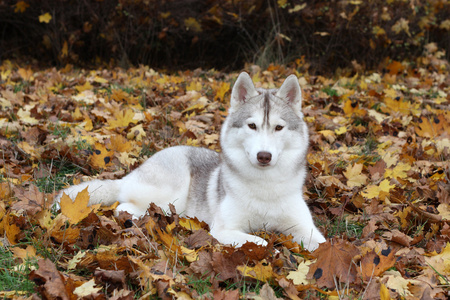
(291, 92)
(243, 89)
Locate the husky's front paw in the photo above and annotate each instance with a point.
(236, 238)
(313, 243)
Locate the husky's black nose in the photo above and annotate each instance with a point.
(264, 157)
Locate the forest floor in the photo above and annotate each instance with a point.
(378, 185)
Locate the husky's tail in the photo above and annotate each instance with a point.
(100, 191)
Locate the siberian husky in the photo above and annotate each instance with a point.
(255, 182)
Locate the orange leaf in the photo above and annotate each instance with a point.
(21, 6)
(101, 157)
(374, 264)
(120, 144)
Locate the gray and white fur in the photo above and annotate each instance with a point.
(254, 183)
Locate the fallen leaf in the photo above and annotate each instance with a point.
(86, 289)
(78, 209)
(354, 176)
(334, 262)
(49, 281)
(45, 18)
(299, 276)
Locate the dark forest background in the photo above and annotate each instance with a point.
(182, 34)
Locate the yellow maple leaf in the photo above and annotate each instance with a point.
(86, 289)
(121, 119)
(35, 152)
(384, 293)
(25, 117)
(220, 93)
(100, 79)
(125, 159)
(189, 254)
(21, 6)
(45, 18)
(137, 133)
(211, 139)
(341, 130)
(72, 263)
(353, 107)
(26, 74)
(354, 175)
(119, 95)
(441, 263)
(398, 172)
(329, 135)
(88, 126)
(299, 276)
(395, 281)
(190, 224)
(391, 93)
(259, 271)
(84, 87)
(192, 24)
(390, 158)
(77, 210)
(120, 144)
(373, 191)
(194, 86)
(77, 114)
(444, 212)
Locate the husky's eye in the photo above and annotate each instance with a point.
(252, 126)
(279, 127)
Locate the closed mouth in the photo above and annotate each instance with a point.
(264, 165)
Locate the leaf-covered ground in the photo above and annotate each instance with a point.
(378, 186)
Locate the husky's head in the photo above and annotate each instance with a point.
(265, 128)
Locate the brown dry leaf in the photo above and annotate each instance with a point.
(49, 281)
(225, 263)
(334, 261)
(199, 238)
(203, 265)
(31, 201)
(220, 294)
(399, 237)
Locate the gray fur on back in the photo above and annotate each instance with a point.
(202, 162)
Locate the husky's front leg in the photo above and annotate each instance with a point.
(300, 224)
(228, 225)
